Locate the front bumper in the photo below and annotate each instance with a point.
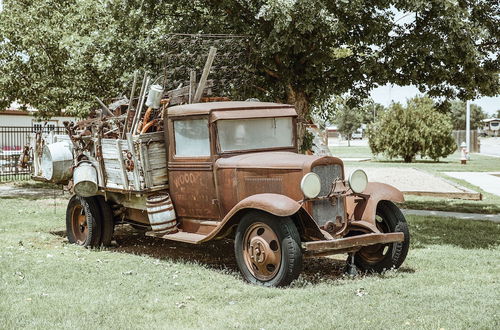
(349, 244)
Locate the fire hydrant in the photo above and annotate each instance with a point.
(463, 153)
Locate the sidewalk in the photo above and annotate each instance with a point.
(458, 215)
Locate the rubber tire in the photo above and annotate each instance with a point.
(395, 257)
(291, 253)
(93, 216)
(108, 222)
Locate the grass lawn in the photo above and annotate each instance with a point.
(451, 279)
(479, 163)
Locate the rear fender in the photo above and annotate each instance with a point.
(359, 208)
(276, 204)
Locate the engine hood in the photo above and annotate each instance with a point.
(274, 160)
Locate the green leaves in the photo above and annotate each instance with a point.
(57, 55)
(417, 129)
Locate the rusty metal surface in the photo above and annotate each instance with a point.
(208, 107)
(79, 225)
(261, 251)
(359, 208)
(268, 160)
(257, 113)
(351, 242)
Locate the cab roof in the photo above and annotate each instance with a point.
(208, 107)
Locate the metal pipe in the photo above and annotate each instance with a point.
(139, 100)
(129, 105)
(139, 111)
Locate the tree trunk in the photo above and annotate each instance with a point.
(408, 159)
(301, 102)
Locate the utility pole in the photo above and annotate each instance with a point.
(467, 126)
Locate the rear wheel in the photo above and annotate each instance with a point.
(268, 249)
(83, 221)
(108, 222)
(380, 257)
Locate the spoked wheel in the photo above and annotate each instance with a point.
(267, 249)
(83, 218)
(380, 257)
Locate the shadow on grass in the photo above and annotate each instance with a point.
(466, 234)
(216, 255)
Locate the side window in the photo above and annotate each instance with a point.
(191, 138)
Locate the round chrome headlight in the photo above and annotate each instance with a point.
(310, 185)
(358, 180)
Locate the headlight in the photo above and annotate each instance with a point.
(310, 185)
(358, 181)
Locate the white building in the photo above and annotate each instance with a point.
(491, 126)
(14, 117)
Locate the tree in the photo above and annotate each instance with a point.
(417, 129)
(57, 54)
(348, 118)
(458, 114)
(60, 55)
(498, 113)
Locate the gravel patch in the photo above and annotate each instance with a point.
(408, 179)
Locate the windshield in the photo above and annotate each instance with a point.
(251, 134)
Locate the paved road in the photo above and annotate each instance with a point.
(490, 146)
(488, 181)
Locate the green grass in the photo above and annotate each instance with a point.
(449, 280)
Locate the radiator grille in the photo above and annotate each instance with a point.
(325, 210)
(258, 185)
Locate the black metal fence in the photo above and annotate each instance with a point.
(12, 142)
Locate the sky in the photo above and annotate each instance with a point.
(393, 93)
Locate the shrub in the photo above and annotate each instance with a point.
(417, 129)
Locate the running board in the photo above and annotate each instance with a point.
(180, 236)
(348, 244)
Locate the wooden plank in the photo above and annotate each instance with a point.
(136, 162)
(120, 156)
(192, 85)
(145, 165)
(475, 196)
(204, 75)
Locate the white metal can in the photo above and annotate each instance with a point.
(57, 160)
(154, 96)
(85, 179)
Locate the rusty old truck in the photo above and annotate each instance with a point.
(228, 170)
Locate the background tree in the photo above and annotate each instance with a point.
(411, 130)
(57, 55)
(458, 114)
(339, 111)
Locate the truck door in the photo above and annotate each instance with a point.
(190, 168)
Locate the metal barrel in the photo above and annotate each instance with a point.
(85, 179)
(57, 160)
(161, 213)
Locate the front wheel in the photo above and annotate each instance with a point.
(267, 249)
(380, 257)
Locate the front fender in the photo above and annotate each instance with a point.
(276, 204)
(359, 208)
